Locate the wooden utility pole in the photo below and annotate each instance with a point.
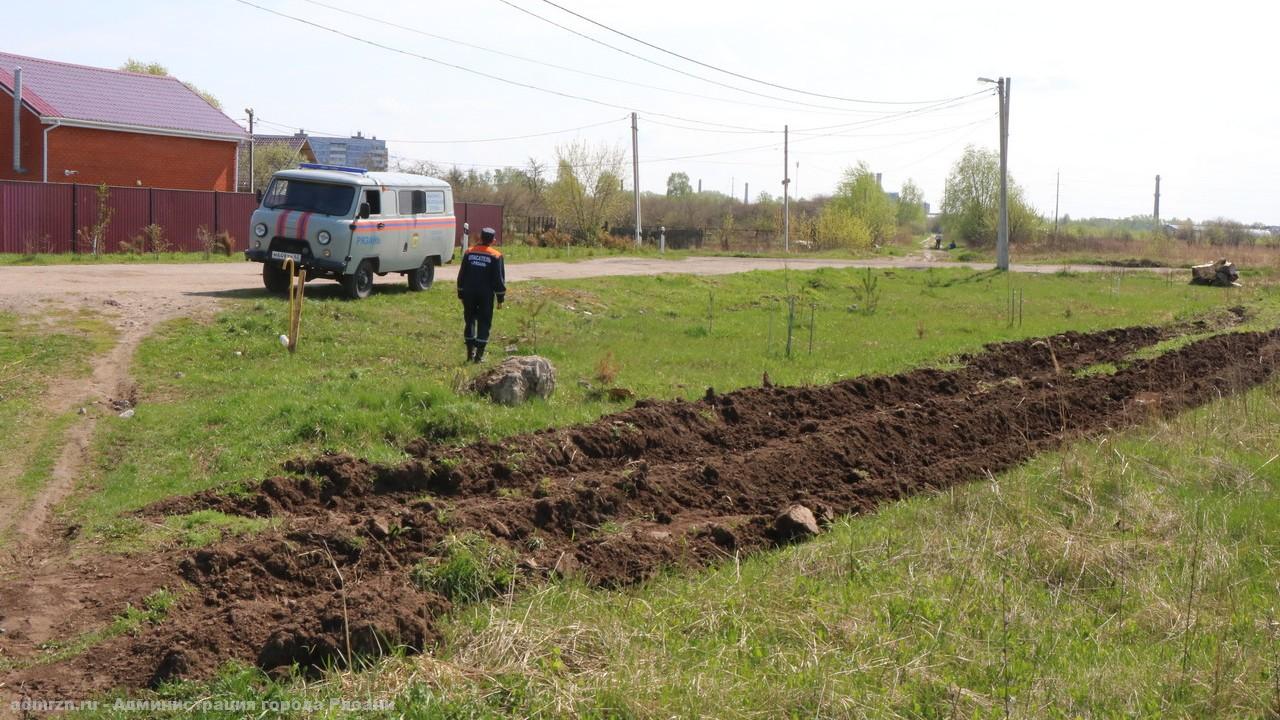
(1057, 193)
(1157, 210)
(635, 174)
(249, 111)
(1002, 237)
(786, 192)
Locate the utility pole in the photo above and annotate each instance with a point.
(1057, 193)
(635, 173)
(699, 186)
(1002, 238)
(1157, 212)
(746, 193)
(249, 112)
(786, 190)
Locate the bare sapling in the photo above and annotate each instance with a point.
(95, 235)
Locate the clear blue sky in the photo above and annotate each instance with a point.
(1109, 93)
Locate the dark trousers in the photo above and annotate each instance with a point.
(477, 314)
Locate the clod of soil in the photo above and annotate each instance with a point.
(663, 484)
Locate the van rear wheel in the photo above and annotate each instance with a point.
(360, 283)
(423, 277)
(275, 278)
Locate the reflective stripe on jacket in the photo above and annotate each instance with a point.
(482, 271)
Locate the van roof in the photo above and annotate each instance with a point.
(392, 179)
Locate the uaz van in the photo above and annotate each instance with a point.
(349, 224)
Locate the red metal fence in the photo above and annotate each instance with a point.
(46, 217)
(477, 215)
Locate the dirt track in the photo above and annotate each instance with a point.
(213, 280)
(664, 484)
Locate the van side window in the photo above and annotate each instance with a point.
(374, 198)
(413, 202)
(434, 201)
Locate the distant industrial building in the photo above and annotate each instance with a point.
(369, 153)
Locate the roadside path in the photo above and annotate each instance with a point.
(98, 282)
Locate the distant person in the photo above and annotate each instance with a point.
(481, 278)
(937, 241)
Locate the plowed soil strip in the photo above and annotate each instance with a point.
(663, 484)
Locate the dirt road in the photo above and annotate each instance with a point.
(214, 280)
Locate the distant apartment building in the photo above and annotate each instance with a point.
(369, 153)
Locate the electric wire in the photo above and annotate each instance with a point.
(472, 71)
(730, 72)
(668, 67)
(586, 73)
(324, 134)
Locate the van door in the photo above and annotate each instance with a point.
(413, 248)
(441, 224)
(396, 231)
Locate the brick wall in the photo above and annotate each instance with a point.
(31, 151)
(123, 158)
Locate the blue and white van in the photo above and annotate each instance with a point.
(349, 224)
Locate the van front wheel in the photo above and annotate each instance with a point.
(275, 278)
(359, 284)
(423, 277)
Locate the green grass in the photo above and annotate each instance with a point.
(33, 354)
(113, 258)
(1131, 575)
(222, 403)
(469, 568)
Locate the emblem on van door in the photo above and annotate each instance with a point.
(413, 241)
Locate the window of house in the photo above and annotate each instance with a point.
(434, 201)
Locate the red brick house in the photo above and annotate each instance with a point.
(93, 125)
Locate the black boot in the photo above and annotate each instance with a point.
(471, 351)
(479, 355)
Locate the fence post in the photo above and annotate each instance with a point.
(215, 212)
(75, 218)
(151, 206)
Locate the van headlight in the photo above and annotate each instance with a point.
(260, 229)
(323, 237)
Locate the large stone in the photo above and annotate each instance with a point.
(1219, 274)
(517, 379)
(795, 523)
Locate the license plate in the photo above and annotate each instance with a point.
(277, 255)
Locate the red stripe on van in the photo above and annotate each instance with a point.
(280, 223)
(302, 225)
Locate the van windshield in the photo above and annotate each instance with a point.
(309, 196)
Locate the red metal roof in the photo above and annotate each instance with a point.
(114, 97)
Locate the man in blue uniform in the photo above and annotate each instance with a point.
(481, 278)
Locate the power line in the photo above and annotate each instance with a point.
(321, 133)
(675, 69)
(730, 72)
(455, 66)
(586, 73)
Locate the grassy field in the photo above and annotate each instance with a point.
(1250, 260)
(514, 252)
(1126, 576)
(34, 354)
(221, 403)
